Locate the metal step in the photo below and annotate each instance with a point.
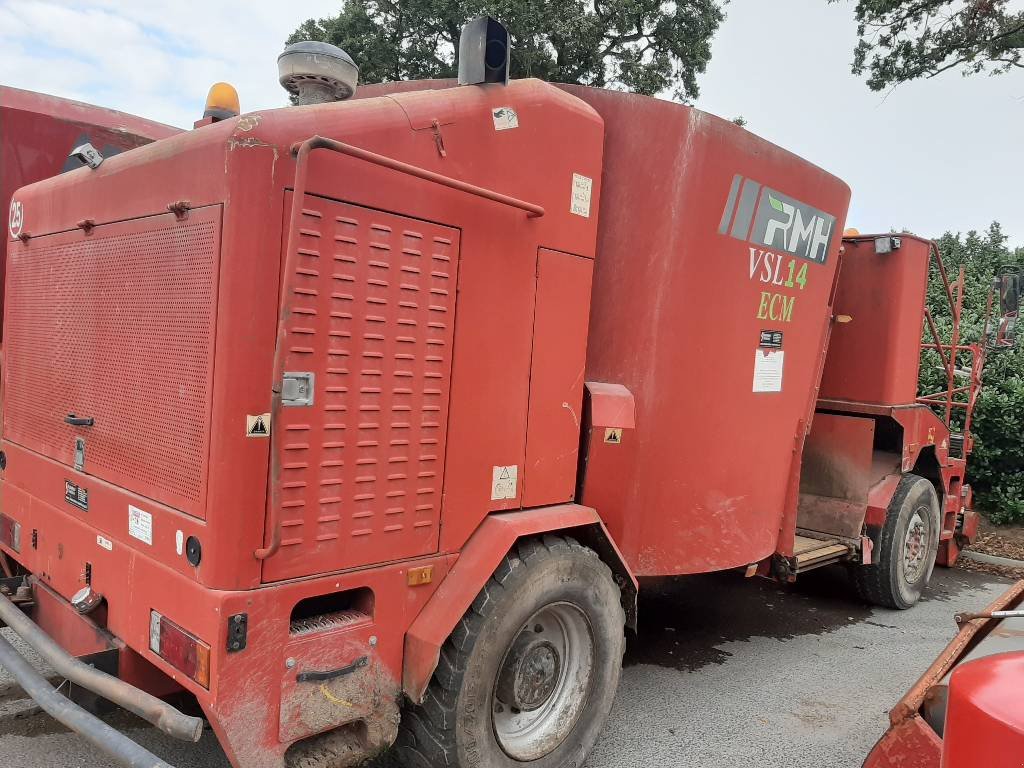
(809, 553)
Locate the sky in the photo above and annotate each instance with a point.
(927, 157)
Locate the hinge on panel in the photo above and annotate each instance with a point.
(297, 388)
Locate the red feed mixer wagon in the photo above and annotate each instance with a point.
(358, 421)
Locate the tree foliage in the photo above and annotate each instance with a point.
(646, 46)
(903, 40)
(996, 468)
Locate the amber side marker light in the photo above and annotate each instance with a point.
(180, 649)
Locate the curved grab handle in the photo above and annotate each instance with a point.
(79, 421)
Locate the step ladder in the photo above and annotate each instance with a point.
(809, 553)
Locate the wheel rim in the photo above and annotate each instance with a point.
(544, 682)
(915, 546)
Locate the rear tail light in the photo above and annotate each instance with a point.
(180, 649)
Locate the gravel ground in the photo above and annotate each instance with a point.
(1001, 541)
(725, 672)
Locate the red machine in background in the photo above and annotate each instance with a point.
(965, 710)
(359, 421)
(39, 135)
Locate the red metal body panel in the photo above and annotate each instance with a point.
(249, 726)
(127, 341)
(681, 297)
(361, 471)
(985, 720)
(874, 358)
(38, 132)
(556, 376)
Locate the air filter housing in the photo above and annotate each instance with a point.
(317, 72)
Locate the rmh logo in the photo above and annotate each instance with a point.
(762, 215)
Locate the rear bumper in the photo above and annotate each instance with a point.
(112, 742)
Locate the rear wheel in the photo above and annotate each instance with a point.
(529, 675)
(905, 554)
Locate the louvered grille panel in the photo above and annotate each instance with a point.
(372, 311)
(117, 325)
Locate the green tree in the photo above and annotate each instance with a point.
(646, 46)
(903, 40)
(996, 468)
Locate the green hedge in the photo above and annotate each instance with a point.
(996, 468)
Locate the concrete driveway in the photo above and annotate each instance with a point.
(725, 672)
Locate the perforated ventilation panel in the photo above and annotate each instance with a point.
(359, 474)
(117, 325)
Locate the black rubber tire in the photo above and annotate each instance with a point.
(884, 582)
(453, 727)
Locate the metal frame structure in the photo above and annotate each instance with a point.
(952, 396)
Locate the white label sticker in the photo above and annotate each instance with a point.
(504, 482)
(258, 425)
(768, 370)
(582, 186)
(504, 118)
(140, 524)
(107, 544)
(179, 541)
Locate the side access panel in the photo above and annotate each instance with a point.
(560, 322)
(358, 472)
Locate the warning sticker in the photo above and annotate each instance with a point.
(768, 365)
(613, 435)
(258, 425)
(504, 482)
(140, 524)
(504, 118)
(582, 187)
(106, 543)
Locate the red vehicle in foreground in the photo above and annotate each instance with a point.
(360, 421)
(965, 711)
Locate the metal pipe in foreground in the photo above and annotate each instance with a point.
(105, 738)
(148, 707)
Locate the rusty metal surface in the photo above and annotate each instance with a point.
(910, 744)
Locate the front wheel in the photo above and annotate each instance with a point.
(529, 675)
(907, 545)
